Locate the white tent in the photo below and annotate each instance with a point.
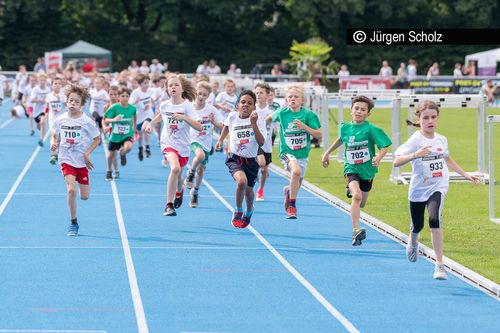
(486, 61)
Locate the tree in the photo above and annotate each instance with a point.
(309, 59)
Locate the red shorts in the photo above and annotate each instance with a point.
(182, 160)
(81, 174)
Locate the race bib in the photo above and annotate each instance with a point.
(71, 135)
(146, 103)
(296, 141)
(173, 123)
(121, 128)
(243, 135)
(433, 166)
(206, 128)
(56, 107)
(357, 155)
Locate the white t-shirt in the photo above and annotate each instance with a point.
(228, 101)
(76, 136)
(39, 93)
(204, 137)
(242, 136)
(457, 72)
(19, 110)
(175, 133)
(27, 90)
(57, 106)
(211, 99)
(22, 82)
(159, 96)
(98, 99)
(2, 81)
(144, 103)
(263, 113)
(385, 72)
(429, 173)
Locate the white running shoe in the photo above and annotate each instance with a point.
(440, 273)
(411, 251)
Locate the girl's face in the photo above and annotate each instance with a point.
(294, 99)
(113, 95)
(201, 95)
(174, 87)
(359, 112)
(145, 85)
(42, 81)
(428, 120)
(262, 95)
(246, 106)
(74, 102)
(98, 84)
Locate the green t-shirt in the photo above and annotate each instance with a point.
(124, 128)
(292, 139)
(359, 144)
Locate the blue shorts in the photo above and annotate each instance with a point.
(139, 126)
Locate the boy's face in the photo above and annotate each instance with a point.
(113, 95)
(201, 95)
(98, 84)
(124, 98)
(42, 81)
(229, 88)
(56, 85)
(246, 106)
(262, 95)
(359, 112)
(145, 85)
(294, 99)
(74, 102)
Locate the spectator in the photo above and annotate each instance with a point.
(401, 77)
(133, 68)
(433, 70)
(411, 69)
(285, 68)
(470, 70)
(489, 89)
(276, 70)
(156, 67)
(213, 68)
(457, 72)
(144, 69)
(40, 65)
(342, 74)
(385, 71)
(233, 70)
(202, 68)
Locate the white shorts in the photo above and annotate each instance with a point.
(285, 159)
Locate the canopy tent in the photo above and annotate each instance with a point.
(86, 54)
(486, 61)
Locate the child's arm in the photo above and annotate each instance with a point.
(381, 153)
(55, 141)
(219, 124)
(86, 155)
(149, 128)
(316, 133)
(403, 159)
(258, 135)
(453, 165)
(223, 134)
(134, 123)
(325, 159)
(191, 122)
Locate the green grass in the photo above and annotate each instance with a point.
(470, 238)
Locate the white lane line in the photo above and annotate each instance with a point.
(329, 307)
(142, 195)
(14, 187)
(326, 249)
(48, 331)
(5, 124)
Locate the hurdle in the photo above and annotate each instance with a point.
(491, 122)
(450, 101)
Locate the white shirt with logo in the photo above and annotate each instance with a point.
(98, 99)
(429, 173)
(263, 113)
(76, 135)
(39, 94)
(228, 101)
(143, 101)
(175, 133)
(204, 137)
(57, 106)
(242, 136)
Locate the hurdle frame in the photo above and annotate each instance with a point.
(491, 186)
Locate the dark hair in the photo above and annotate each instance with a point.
(114, 88)
(423, 105)
(363, 99)
(140, 78)
(79, 90)
(249, 93)
(264, 85)
(122, 90)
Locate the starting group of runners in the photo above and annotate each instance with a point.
(190, 115)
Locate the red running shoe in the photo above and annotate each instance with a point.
(291, 212)
(237, 220)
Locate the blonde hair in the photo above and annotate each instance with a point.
(40, 75)
(189, 92)
(423, 105)
(297, 87)
(226, 81)
(204, 85)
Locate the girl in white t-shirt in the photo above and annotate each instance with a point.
(201, 141)
(428, 153)
(178, 117)
(142, 99)
(56, 105)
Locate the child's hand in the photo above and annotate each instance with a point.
(149, 129)
(211, 118)
(473, 179)
(218, 146)
(424, 151)
(53, 147)
(119, 117)
(178, 116)
(253, 117)
(375, 161)
(299, 124)
(88, 162)
(325, 160)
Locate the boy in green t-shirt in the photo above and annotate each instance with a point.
(296, 126)
(360, 162)
(123, 118)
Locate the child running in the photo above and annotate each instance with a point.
(178, 117)
(38, 98)
(246, 134)
(113, 99)
(56, 103)
(360, 162)
(429, 156)
(296, 127)
(265, 153)
(122, 117)
(201, 141)
(79, 137)
(142, 99)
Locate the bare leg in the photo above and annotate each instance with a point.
(173, 177)
(241, 186)
(263, 170)
(437, 243)
(71, 188)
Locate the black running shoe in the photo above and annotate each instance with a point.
(109, 176)
(348, 193)
(169, 210)
(194, 201)
(123, 159)
(178, 200)
(189, 180)
(148, 152)
(141, 155)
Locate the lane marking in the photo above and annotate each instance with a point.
(326, 249)
(5, 124)
(48, 331)
(329, 307)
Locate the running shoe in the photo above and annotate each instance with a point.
(194, 201)
(109, 176)
(260, 194)
(178, 199)
(357, 236)
(73, 230)
(40, 143)
(411, 251)
(116, 174)
(32, 133)
(348, 193)
(148, 152)
(237, 219)
(291, 212)
(245, 221)
(286, 192)
(53, 159)
(123, 159)
(440, 273)
(189, 180)
(141, 155)
(169, 210)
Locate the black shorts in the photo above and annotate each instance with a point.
(267, 156)
(364, 184)
(117, 145)
(248, 165)
(39, 118)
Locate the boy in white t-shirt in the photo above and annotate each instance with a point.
(78, 136)
(428, 153)
(38, 99)
(99, 97)
(56, 105)
(201, 141)
(141, 98)
(247, 133)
